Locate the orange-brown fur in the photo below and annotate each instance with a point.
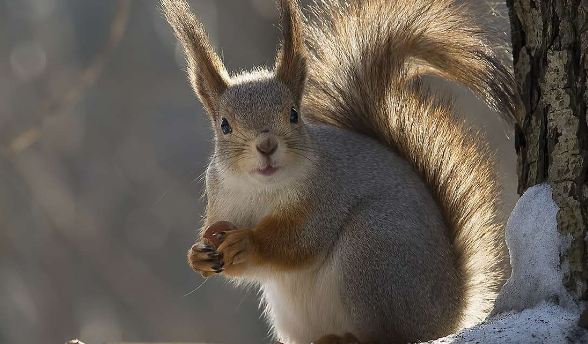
(271, 243)
(276, 238)
(346, 338)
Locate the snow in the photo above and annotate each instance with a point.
(534, 245)
(533, 306)
(546, 323)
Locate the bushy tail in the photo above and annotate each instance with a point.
(365, 60)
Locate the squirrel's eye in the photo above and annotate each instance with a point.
(226, 127)
(293, 115)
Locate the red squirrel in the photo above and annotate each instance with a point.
(363, 210)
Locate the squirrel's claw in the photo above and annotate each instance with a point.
(204, 259)
(236, 246)
(205, 248)
(220, 236)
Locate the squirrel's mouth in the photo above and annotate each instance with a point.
(267, 171)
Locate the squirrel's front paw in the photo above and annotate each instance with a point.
(204, 259)
(236, 246)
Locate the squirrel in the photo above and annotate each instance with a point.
(363, 209)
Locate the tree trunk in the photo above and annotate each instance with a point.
(550, 49)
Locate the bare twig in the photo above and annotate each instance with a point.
(88, 77)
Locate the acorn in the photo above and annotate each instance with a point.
(216, 231)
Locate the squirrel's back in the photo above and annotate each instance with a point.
(365, 60)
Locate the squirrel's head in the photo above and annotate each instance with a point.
(259, 130)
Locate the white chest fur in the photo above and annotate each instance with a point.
(303, 306)
(241, 207)
(245, 204)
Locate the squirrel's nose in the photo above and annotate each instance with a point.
(267, 147)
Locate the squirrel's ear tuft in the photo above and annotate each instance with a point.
(291, 60)
(208, 75)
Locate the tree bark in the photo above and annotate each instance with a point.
(550, 50)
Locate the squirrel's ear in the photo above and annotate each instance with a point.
(208, 75)
(291, 60)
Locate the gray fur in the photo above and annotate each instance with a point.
(399, 278)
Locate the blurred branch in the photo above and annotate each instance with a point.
(86, 79)
(77, 341)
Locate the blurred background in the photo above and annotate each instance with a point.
(102, 145)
